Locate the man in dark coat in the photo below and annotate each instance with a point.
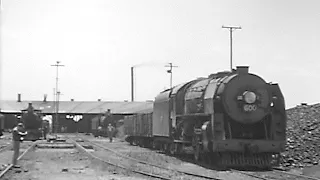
(17, 136)
(45, 128)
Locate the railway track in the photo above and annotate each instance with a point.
(8, 145)
(275, 174)
(82, 149)
(7, 169)
(5, 148)
(265, 175)
(144, 164)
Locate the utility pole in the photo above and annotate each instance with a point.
(170, 71)
(132, 84)
(56, 123)
(139, 65)
(231, 29)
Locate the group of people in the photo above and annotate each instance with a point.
(110, 131)
(106, 119)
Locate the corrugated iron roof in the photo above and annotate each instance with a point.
(79, 107)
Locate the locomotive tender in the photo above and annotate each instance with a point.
(231, 118)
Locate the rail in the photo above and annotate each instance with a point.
(33, 145)
(292, 175)
(153, 165)
(82, 149)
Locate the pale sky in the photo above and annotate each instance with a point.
(99, 40)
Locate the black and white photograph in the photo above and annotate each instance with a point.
(159, 89)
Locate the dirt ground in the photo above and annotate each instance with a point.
(63, 164)
(5, 139)
(7, 153)
(161, 159)
(176, 163)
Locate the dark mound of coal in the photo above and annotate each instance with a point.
(303, 136)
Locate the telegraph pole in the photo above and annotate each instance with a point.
(139, 65)
(132, 84)
(170, 71)
(56, 123)
(231, 29)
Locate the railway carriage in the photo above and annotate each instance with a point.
(138, 129)
(2, 120)
(231, 118)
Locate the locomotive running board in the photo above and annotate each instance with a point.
(195, 114)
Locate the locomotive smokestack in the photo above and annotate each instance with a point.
(242, 69)
(19, 98)
(45, 98)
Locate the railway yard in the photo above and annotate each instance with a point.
(141, 148)
(247, 138)
(170, 90)
(79, 156)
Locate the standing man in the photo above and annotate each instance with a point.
(17, 134)
(45, 127)
(110, 132)
(108, 117)
(1, 124)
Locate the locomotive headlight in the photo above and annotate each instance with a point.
(250, 97)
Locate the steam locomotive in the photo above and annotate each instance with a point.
(229, 118)
(31, 118)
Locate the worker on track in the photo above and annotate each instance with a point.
(17, 137)
(45, 129)
(110, 132)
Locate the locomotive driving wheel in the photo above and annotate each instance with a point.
(131, 142)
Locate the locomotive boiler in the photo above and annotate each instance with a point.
(232, 118)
